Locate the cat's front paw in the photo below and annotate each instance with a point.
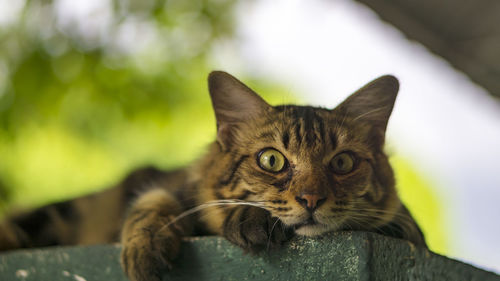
(254, 229)
(146, 255)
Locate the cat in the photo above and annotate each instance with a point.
(272, 173)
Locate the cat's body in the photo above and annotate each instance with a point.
(274, 171)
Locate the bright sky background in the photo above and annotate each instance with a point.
(448, 126)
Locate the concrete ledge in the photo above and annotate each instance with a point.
(341, 256)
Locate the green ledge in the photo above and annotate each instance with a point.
(340, 256)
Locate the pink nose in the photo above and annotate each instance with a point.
(310, 201)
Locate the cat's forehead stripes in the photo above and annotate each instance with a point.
(268, 134)
(285, 139)
(305, 126)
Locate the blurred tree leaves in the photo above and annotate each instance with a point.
(91, 89)
(135, 55)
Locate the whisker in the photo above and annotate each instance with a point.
(374, 215)
(271, 234)
(378, 212)
(353, 220)
(214, 203)
(403, 221)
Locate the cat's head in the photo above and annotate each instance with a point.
(315, 169)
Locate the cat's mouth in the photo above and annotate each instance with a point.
(309, 222)
(311, 227)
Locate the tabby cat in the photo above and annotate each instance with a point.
(273, 172)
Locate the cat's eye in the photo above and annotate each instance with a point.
(342, 163)
(271, 160)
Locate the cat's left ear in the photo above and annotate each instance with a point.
(234, 103)
(372, 105)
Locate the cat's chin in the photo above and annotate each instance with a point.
(313, 230)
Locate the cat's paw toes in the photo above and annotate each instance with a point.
(255, 230)
(280, 233)
(144, 258)
(139, 265)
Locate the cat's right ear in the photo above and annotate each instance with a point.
(234, 103)
(372, 105)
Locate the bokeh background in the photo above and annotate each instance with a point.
(91, 89)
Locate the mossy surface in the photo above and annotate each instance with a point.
(340, 256)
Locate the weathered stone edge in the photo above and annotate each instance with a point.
(338, 256)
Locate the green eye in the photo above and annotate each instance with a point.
(342, 163)
(271, 160)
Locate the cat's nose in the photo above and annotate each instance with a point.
(310, 201)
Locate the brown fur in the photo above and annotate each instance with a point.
(308, 196)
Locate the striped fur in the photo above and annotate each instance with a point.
(308, 196)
